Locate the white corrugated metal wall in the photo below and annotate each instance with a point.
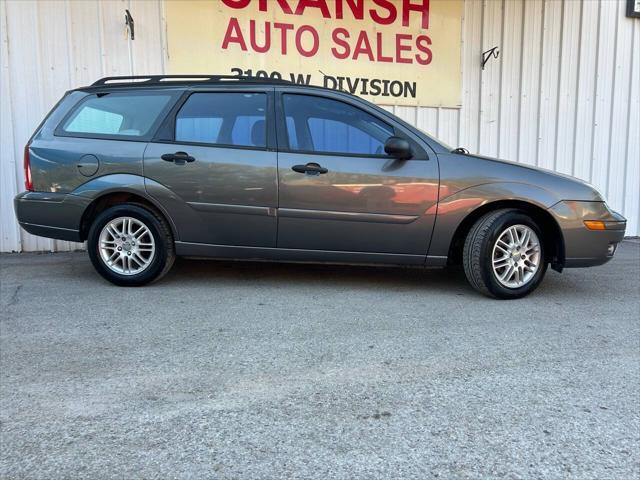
(564, 93)
(48, 47)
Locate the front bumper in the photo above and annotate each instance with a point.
(51, 215)
(584, 247)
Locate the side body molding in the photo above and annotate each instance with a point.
(453, 209)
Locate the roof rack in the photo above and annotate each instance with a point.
(164, 79)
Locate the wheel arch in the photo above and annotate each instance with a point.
(111, 198)
(552, 234)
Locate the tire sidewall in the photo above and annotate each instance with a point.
(492, 283)
(146, 217)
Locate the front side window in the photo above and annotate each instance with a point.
(236, 119)
(324, 125)
(116, 114)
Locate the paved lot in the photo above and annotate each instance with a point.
(248, 370)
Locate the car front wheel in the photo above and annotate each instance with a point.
(130, 245)
(504, 254)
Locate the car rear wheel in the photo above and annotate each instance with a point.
(503, 254)
(130, 245)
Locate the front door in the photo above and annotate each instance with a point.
(339, 191)
(220, 167)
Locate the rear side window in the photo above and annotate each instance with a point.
(114, 114)
(329, 126)
(236, 119)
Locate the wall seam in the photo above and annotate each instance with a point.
(577, 90)
(164, 37)
(500, 96)
(519, 139)
(558, 82)
(632, 61)
(16, 170)
(463, 22)
(595, 91)
(130, 47)
(101, 42)
(540, 93)
(612, 98)
(479, 126)
(69, 36)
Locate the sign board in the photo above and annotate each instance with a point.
(633, 8)
(402, 52)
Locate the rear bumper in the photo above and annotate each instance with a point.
(584, 247)
(51, 215)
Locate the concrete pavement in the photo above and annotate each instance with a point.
(252, 370)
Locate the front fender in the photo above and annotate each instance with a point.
(454, 208)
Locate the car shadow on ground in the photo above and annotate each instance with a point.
(211, 273)
(198, 271)
(573, 283)
(450, 281)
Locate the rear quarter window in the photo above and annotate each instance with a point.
(117, 115)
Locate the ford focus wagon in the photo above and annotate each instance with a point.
(148, 168)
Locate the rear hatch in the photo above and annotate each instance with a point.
(93, 133)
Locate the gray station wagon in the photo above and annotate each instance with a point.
(147, 168)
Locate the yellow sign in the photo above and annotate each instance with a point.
(403, 52)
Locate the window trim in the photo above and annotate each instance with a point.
(340, 154)
(283, 136)
(166, 133)
(214, 145)
(173, 94)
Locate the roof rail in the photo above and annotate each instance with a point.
(159, 79)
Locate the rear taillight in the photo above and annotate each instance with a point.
(28, 181)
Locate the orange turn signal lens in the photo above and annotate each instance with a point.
(595, 225)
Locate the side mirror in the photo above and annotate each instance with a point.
(399, 148)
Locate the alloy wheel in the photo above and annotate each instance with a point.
(516, 256)
(126, 246)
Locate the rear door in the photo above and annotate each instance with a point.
(339, 191)
(216, 156)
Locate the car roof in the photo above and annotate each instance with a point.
(187, 81)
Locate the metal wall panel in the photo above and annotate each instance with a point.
(10, 238)
(511, 80)
(51, 46)
(564, 93)
(567, 91)
(530, 93)
(472, 22)
(549, 83)
(630, 170)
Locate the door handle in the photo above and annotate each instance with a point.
(180, 158)
(310, 169)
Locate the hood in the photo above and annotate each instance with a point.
(563, 187)
(461, 171)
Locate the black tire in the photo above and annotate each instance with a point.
(478, 248)
(164, 248)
